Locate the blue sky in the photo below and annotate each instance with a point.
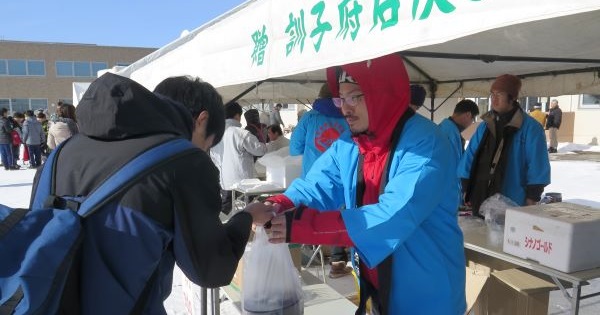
(137, 23)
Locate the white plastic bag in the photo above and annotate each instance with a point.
(271, 284)
(494, 210)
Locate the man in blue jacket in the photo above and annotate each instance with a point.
(463, 116)
(507, 154)
(372, 190)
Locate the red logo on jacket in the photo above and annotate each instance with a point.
(326, 135)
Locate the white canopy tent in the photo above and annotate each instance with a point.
(276, 51)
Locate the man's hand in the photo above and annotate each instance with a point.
(261, 213)
(278, 229)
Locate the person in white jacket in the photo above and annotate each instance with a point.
(234, 155)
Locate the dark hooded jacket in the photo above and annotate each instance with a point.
(171, 215)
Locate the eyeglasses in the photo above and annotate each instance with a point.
(350, 100)
(496, 94)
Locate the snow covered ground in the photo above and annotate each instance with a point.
(577, 181)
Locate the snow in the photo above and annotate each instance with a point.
(576, 180)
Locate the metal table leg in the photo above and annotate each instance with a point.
(216, 304)
(203, 301)
(575, 298)
(318, 250)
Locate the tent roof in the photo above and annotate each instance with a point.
(554, 52)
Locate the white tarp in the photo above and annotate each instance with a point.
(78, 89)
(294, 40)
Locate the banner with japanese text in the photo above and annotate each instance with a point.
(263, 39)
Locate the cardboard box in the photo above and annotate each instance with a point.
(516, 292)
(563, 236)
(510, 291)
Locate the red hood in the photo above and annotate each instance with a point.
(385, 84)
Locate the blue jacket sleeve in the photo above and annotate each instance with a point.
(322, 187)
(466, 161)
(537, 160)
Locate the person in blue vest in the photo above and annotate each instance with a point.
(383, 188)
(507, 154)
(463, 116)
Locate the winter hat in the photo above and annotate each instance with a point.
(507, 83)
(417, 95)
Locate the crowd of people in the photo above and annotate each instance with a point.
(370, 165)
(29, 137)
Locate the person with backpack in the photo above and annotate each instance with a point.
(372, 190)
(168, 215)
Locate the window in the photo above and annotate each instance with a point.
(82, 69)
(288, 107)
(5, 103)
(483, 104)
(79, 68)
(36, 67)
(39, 103)
(590, 101)
(64, 68)
(3, 68)
(17, 67)
(19, 105)
(122, 64)
(21, 67)
(97, 66)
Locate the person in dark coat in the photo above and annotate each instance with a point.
(553, 124)
(6, 140)
(171, 215)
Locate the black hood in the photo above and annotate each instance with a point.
(116, 108)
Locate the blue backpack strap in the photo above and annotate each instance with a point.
(44, 186)
(132, 171)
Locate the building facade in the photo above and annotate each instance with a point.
(36, 75)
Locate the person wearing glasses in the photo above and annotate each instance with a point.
(507, 154)
(386, 188)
